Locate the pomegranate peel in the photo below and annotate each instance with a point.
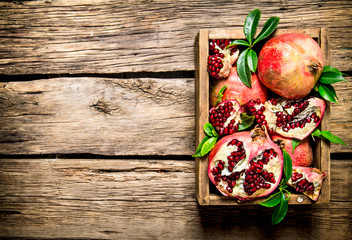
(237, 90)
(303, 153)
(307, 181)
(246, 165)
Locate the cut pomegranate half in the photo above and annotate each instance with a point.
(246, 165)
(307, 181)
(289, 118)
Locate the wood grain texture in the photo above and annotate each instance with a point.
(97, 115)
(144, 116)
(201, 102)
(139, 199)
(55, 37)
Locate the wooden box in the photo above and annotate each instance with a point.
(207, 194)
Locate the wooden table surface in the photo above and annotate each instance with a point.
(97, 121)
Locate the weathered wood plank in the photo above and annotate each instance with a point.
(146, 116)
(138, 199)
(118, 36)
(98, 115)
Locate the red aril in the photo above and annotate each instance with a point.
(221, 58)
(288, 118)
(307, 181)
(225, 117)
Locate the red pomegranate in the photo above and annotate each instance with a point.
(246, 165)
(290, 64)
(221, 58)
(307, 181)
(225, 117)
(303, 153)
(237, 90)
(289, 118)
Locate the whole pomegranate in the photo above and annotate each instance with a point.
(246, 165)
(307, 181)
(289, 118)
(237, 90)
(290, 64)
(303, 153)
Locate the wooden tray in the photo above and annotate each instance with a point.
(321, 149)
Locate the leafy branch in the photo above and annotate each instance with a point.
(248, 60)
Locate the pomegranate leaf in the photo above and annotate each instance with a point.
(332, 69)
(332, 89)
(243, 70)
(295, 143)
(327, 135)
(252, 60)
(268, 28)
(332, 138)
(251, 24)
(272, 201)
(331, 77)
(220, 95)
(287, 166)
(209, 130)
(326, 93)
(199, 148)
(238, 42)
(247, 121)
(280, 210)
(208, 145)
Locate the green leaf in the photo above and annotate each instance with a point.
(208, 129)
(252, 60)
(332, 69)
(214, 132)
(251, 24)
(326, 93)
(316, 87)
(238, 42)
(332, 89)
(328, 136)
(287, 166)
(280, 210)
(247, 121)
(316, 133)
(220, 95)
(295, 143)
(208, 145)
(199, 148)
(331, 77)
(268, 28)
(243, 70)
(332, 138)
(272, 201)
